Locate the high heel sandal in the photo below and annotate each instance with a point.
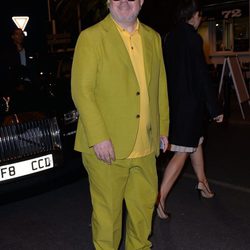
(162, 213)
(203, 191)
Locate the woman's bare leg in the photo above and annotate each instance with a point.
(171, 173)
(197, 161)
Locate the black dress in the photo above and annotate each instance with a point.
(190, 87)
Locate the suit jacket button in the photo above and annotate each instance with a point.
(137, 93)
(137, 116)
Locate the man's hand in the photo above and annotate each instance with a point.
(105, 151)
(164, 141)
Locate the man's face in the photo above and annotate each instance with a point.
(18, 36)
(197, 20)
(125, 11)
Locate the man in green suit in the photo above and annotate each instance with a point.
(119, 88)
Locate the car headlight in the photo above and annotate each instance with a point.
(70, 117)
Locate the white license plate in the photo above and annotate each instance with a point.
(22, 168)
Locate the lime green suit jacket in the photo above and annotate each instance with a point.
(106, 92)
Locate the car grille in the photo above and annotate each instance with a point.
(21, 140)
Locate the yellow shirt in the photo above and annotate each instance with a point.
(133, 43)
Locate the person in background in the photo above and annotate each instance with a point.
(191, 94)
(20, 71)
(119, 89)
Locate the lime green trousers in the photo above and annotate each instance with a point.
(133, 181)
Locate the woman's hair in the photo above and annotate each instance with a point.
(186, 9)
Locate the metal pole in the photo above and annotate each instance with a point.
(79, 17)
(49, 11)
(51, 19)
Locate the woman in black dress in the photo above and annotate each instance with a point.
(191, 91)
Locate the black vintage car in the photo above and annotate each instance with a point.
(37, 129)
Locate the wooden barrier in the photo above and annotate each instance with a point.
(232, 67)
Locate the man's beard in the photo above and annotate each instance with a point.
(125, 19)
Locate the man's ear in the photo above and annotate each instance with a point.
(108, 3)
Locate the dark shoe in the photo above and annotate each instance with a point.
(203, 191)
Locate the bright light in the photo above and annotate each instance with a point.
(20, 21)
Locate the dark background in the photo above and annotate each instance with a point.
(156, 13)
(37, 25)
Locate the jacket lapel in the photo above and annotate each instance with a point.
(114, 37)
(147, 51)
(121, 50)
